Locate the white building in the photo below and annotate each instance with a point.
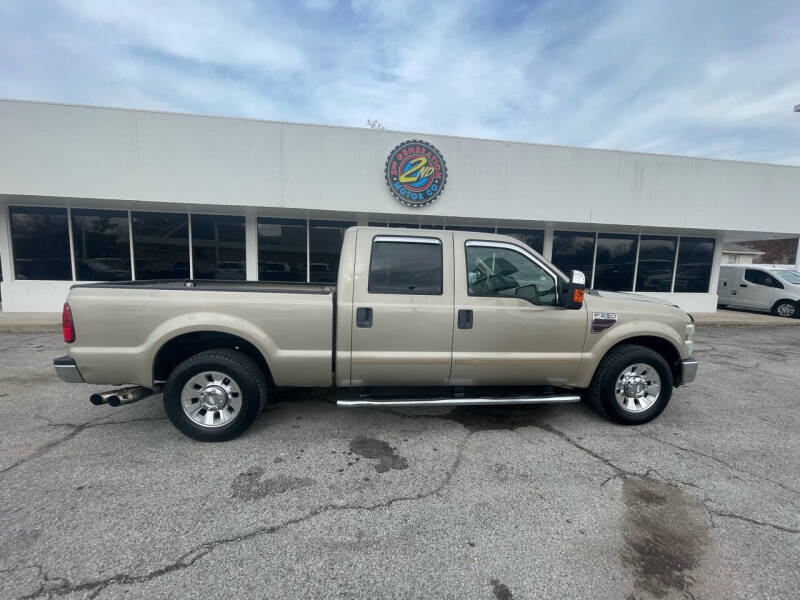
(739, 254)
(97, 193)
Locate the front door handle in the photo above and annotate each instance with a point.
(363, 317)
(464, 319)
(742, 285)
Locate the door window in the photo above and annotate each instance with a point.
(405, 265)
(761, 278)
(507, 273)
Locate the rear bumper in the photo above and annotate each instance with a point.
(67, 370)
(689, 370)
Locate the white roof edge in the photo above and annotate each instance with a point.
(409, 133)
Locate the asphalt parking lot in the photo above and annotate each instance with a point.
(315, 501)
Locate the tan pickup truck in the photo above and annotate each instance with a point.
(417, 318)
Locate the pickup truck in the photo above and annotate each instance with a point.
(416, 318)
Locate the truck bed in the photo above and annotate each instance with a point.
(121, 326)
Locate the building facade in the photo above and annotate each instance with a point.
(95, 194)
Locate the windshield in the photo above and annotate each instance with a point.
(787, 275)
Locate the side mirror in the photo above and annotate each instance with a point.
(577, 284)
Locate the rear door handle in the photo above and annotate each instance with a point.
(742, 285)
(464, 319)
(363, 317)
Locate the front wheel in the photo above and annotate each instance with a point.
(215, 395)
(632, 385)
(785, 308)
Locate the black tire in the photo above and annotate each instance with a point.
(249, 378)
(602, 390)
(786, 308)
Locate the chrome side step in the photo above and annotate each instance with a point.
(461, 401)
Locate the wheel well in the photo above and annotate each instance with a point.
(775, 306)
(178, 349)
(664, 347)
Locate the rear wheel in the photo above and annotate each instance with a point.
(632, 385)
(215, 395)
(785, 308)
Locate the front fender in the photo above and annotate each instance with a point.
(598, 344)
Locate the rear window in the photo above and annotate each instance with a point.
(405, 265)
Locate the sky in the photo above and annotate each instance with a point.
(707, 78)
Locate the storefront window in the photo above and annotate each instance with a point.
(218, 247)
(695, 256)
(40, 242)
(615, 262)
(532, 237)
(574, 250)
(656, 261)
(325, 245)
(282, 249)
(102, 245)
(161, 245)
(475, 228)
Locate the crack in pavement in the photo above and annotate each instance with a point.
(728, 515)
(190, 557)
(623, 473)
(76, 429)
(720, 461)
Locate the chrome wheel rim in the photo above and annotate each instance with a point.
(638, 387)
(211, 399)
(786, 310)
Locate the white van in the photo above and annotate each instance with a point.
(760, 287)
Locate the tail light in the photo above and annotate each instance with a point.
(67, 326)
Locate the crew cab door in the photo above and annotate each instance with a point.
(402, 331)
(509, 328)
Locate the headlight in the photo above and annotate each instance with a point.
(687, 338)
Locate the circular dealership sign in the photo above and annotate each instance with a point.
(416, 173)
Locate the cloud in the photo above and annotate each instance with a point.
(715, 79)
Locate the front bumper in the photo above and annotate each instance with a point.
(689, 370)
(67, 369)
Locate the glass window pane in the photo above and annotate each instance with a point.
(431, 226)
(470, 228)
(40, 243)
(405, 225)
(218, 247)
(377, 224)
(532, 237)
(509, 274)
(615, 262)
(405, 268)
(325, 246)
(656, 260)
(161, 245)
(695, 256)
(573, 250)
(102, 245)
(281, 249)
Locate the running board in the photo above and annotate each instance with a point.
(462, 401)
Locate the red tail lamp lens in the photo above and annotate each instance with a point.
(67, 326)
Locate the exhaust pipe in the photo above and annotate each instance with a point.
(126, 395)
(101, 398)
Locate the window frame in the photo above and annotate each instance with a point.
(520, 250)
(405, 239)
